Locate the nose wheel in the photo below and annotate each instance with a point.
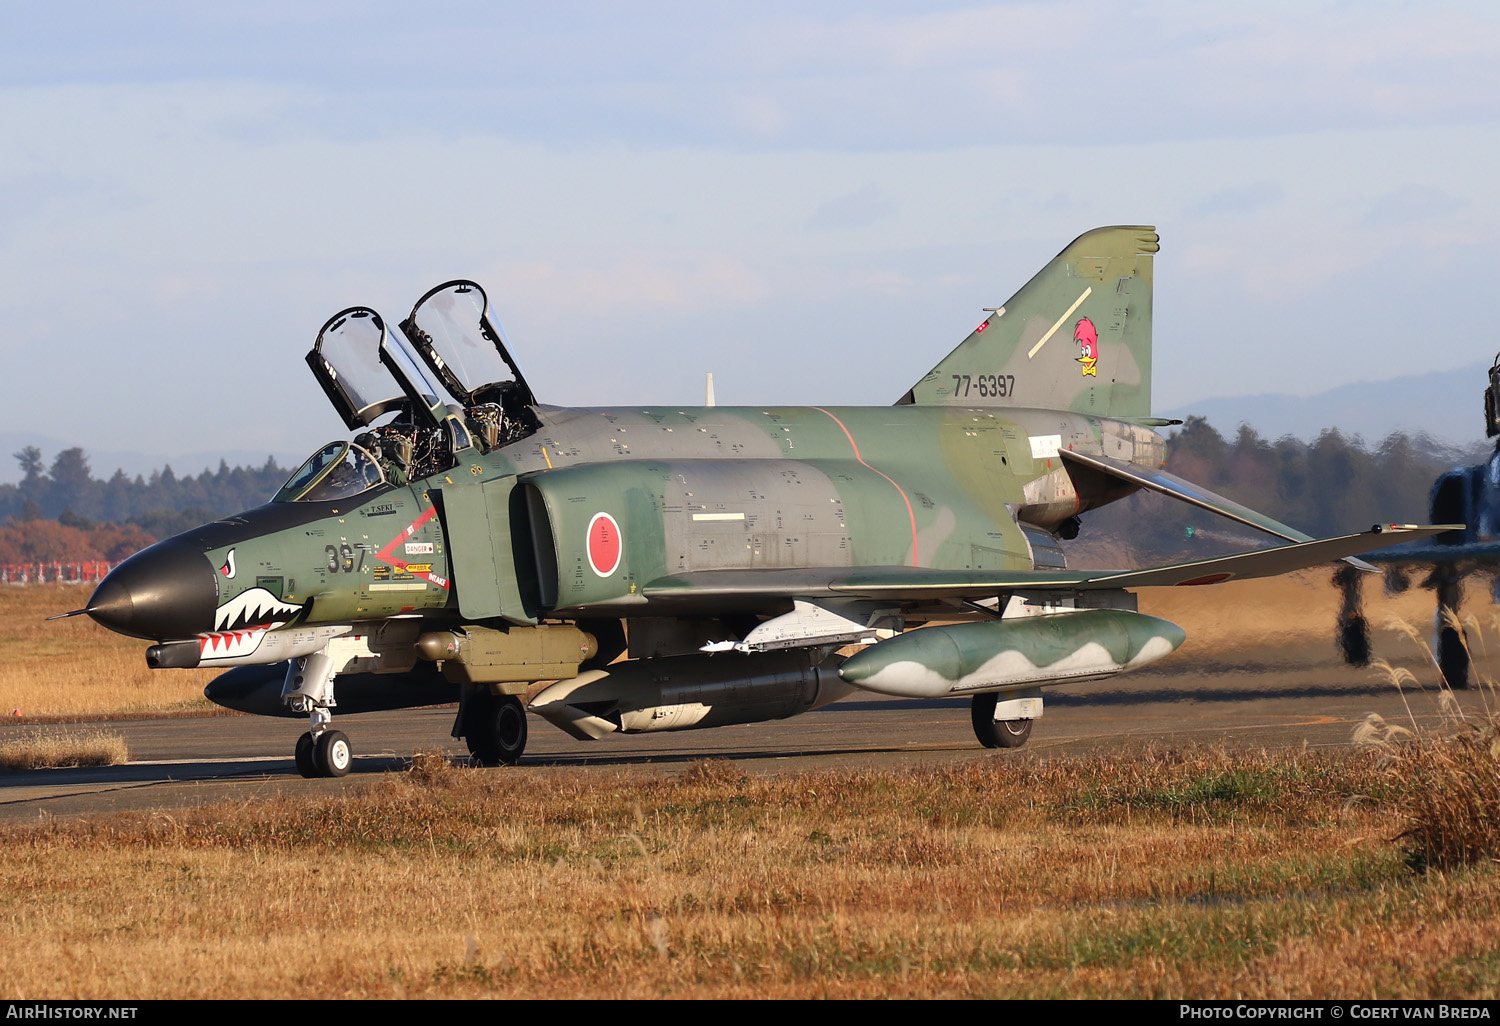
(327, 754)
(306, 765)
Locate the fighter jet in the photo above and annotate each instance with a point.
(748, 563)
(1470, 494)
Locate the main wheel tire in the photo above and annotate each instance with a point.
(334, 756)
(994, 733)
(307, 759)
(495, 729)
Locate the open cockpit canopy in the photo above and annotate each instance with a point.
(368, 369)
(453, 330)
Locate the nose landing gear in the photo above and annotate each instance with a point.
(322, 751)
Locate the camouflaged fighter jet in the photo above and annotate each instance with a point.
(472, 544)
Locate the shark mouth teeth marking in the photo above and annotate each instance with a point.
(232, 644)
(255, 608)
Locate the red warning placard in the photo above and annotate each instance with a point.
(604, 544)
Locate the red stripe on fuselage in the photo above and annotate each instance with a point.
(909, 512)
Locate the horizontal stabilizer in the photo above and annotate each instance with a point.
(1178, 488)
(1267, 562)
(918, 583)
(1171, 484)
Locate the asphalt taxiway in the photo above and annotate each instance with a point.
(1303, 697)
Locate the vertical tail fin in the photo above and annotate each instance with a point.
(1077, 336)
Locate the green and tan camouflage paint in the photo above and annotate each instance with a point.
(976, 657)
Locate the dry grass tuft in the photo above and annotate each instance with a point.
(1453, 798)
(714, 771)
(56, 749)
(432, 769)
(1449, 779)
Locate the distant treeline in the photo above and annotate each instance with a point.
(1333, 485)
(161, 505)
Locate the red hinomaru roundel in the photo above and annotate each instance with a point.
(604, 544)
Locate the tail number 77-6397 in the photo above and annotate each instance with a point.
(987, 385)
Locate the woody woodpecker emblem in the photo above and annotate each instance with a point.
(1087, 338)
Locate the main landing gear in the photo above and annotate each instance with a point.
(993, 733)
(493, 726)
(1452, 646)
(322, 751)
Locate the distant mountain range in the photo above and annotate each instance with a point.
(1447, 405)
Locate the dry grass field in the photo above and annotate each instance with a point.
(74, 669)
(1366, 872)
(1187, 873)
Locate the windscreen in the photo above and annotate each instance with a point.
(336, 471)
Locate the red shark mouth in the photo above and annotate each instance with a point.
(232, 644)
(256, 609)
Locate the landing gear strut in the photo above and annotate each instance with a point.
(993, 733)
(1353, 627)
(493, 726)
(1452, 647)
(322, 751)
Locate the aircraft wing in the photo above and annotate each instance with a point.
(1489, 551)
(1179, 488)
(919, 583)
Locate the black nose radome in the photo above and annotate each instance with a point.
(166, 591)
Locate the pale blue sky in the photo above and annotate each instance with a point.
(812, 200)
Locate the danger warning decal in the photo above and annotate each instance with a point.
(386, 555)
(604, 544)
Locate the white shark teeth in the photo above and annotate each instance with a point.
(253, 608)
(230, 644)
